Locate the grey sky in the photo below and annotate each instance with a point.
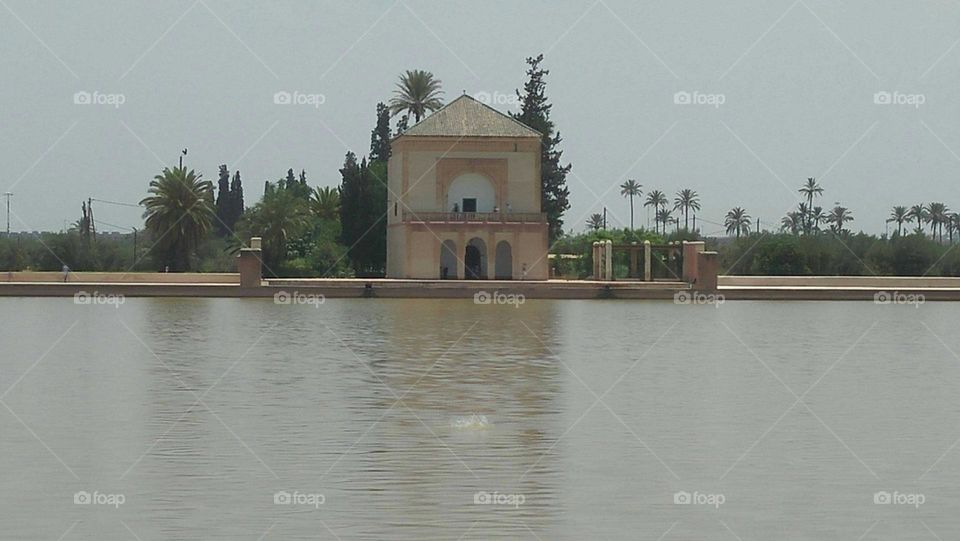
(797, 80)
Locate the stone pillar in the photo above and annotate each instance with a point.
(250, 264)
(708, 266)
(596, 260)
(647, 253)
(691, 259)
(608, 260)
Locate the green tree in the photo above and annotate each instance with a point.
(686, 201)
(810, 190)
(919, 214)
(236, 201)
(792, 223)
(657, 200)
(535, 113)
(223, 201)
(838, 217)
(595, 222)
(937, 216)
(416, 93)
(898, 215)
(631, 189)
(179, 213)
(380, 136)
(277, 218)
(363, 198)
(737, 221)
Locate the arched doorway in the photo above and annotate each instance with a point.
(471, 192)
(475, 260)
(448, 260)
(504, 261)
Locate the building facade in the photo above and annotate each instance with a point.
(464, 198)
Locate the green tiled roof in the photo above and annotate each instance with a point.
(467, 117)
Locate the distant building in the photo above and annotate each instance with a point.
(464, 198)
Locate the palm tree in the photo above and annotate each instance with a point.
(954, 225)
(325, 203)
(179, 213)
(686, 200)
(417, 93)
(837, 217)
(937, 217)
(737, 221)
(655, 199)
(792, 222)
(817, 216)
(899, 214)
(631, 189)
(810, 190)
(595, 222)
(918, 213)
(665, 217)
(279, 217)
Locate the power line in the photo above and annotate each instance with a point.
(114, 203)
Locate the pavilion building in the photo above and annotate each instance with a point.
(464, 198)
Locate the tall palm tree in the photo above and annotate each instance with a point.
(325, 203)
(656, 199)
(685, 201)
(179, 213)
(837, 217)
(918, 213)
(595, 222)
(416, 93)
(899, 214)
(631, 189)
(954, 225)
(938, 213)
(792, 222)
(737, 221)
(810, 190)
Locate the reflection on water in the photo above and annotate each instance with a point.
(443, 419)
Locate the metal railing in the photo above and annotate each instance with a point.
(475, 217)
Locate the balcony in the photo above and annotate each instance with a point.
(475, 217)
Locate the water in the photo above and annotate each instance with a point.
(442, 419)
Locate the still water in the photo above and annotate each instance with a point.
(237, 419)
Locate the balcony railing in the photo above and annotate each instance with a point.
(476, 217)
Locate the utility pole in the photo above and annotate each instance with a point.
(182, 154)
(8, 195)
(604, 218)
(134, 247)
(93, 227)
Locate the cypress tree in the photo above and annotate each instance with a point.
(380, 137)
(535, 112)
(223, 207)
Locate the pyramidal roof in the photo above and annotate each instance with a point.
(467, 117)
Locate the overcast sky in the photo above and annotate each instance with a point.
(788, 90)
